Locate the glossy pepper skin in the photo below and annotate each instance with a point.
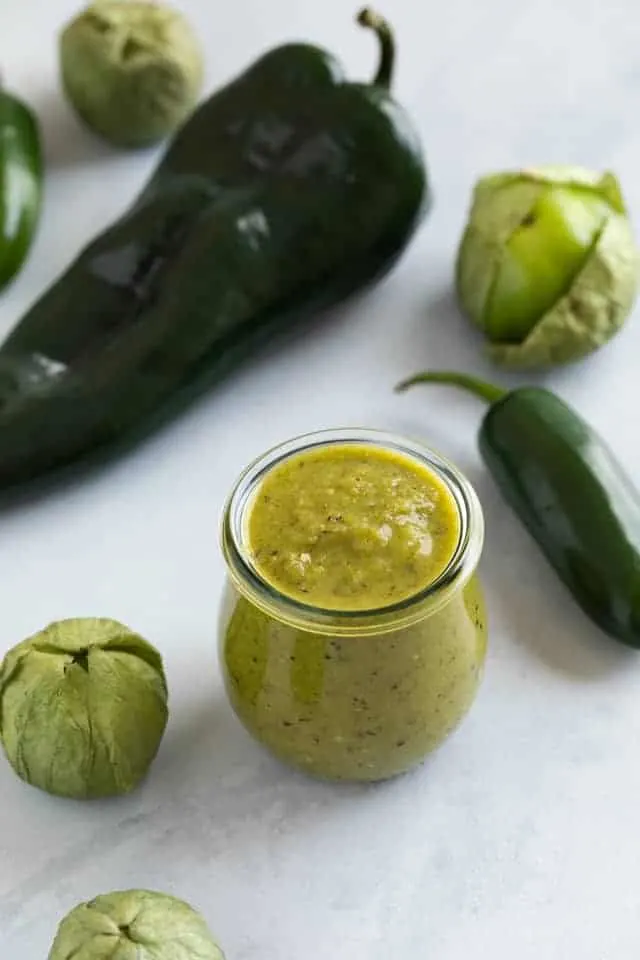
(571, 493)
(286, 192)
(21, 175)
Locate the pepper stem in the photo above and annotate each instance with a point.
(369, 18)
(480, 388)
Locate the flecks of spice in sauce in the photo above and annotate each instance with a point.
(365, 528)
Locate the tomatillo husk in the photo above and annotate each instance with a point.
(83, 708)
(134, 925)
(548, 266)
(132, 69)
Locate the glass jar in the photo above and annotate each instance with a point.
(352, 695)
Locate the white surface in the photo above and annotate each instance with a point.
(520, 838)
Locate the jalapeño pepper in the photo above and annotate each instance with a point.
(20, 184)
(571, 493)
(286, 192)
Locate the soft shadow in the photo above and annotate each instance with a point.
(534, 608)
(210, 746)
(211, 758)
(448, 329)
(68, 142)
(439, 336)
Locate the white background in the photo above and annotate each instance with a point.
(520, 838)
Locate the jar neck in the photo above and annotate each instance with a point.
(427, 601)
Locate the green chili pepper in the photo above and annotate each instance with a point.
(21, 176)
(286, 192)
(570, 492)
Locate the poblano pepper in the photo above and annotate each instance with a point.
(284, 193)
(571, 493)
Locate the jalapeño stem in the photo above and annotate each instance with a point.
(480, 388)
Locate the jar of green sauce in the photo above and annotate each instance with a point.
(353, 628)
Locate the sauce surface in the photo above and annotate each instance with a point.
(351, 527)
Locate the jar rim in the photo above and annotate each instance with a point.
(423, 603)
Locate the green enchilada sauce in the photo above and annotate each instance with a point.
(352, 527)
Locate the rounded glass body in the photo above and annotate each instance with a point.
(352, 695)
